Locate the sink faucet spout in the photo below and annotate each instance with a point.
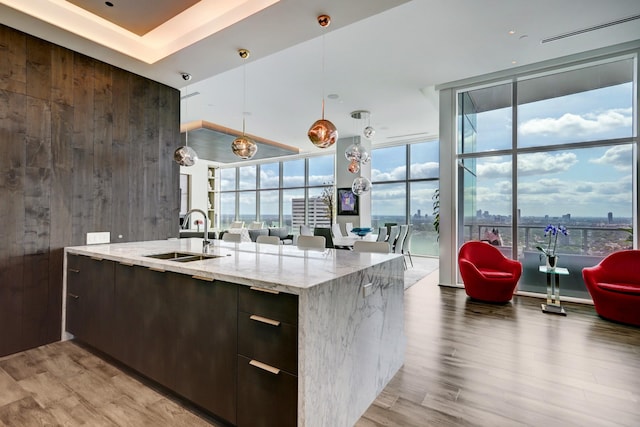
(205, 239)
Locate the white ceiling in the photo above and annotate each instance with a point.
(384, 61)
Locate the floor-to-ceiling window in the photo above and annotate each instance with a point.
(556, 148)
(277, 193)
(405, 178)
(289, 193)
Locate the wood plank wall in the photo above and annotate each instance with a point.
(84, 146)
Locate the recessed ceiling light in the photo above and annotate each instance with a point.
(512, 32)
(333, 96)
(108, 3)
(514, 62)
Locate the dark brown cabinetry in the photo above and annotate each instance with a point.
(180, 332)
(228, 348)
(205, 343)
(90, 301)
(267, 358)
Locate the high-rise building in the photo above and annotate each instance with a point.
(318, 215)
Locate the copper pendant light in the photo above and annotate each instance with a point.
(323, 133)
(243, 146)
(185, 155)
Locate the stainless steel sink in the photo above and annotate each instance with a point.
(182, 256)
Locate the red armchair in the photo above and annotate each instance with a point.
(487, 274)
(614, 285)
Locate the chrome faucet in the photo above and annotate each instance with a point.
(205, 240)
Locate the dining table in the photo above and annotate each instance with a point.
(348, 241)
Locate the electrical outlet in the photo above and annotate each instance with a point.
(367, 290)
(98, 237)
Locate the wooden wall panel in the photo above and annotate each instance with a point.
(135, 169)
(151, 153)
(102, 143)
(12, 161)
(169, 188)
(38, 68)
(61, 75)
(82, 143)
(121, 224)
(13, 60)
(85, 147)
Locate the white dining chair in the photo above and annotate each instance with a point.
(311, 242)
(406, 246)
(232, 237)
(382, 234)
(237, 224)
(269, 240)
(368, 246)
(398, 247)
(393, 232)
(336, 230)
(305, 230)
(256, 225)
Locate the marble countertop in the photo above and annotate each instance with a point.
(283, 267)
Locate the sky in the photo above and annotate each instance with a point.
(583, 182)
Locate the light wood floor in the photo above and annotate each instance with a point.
(467, 364)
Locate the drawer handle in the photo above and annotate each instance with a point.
(159, 270)
(74, 296)
(269, 291)
(264, 320)
(206, 279)
(73, 270)
(264, 367)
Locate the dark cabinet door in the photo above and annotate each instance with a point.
(205, 343)
(180, 332)
(143, 322)
(90, 301)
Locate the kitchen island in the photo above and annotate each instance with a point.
(255, 334)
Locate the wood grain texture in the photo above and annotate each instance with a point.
(65, 384)
(12, 179)
(476, 364)
(13, 60)
(75, 134)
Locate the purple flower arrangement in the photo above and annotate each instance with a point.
(552, 231)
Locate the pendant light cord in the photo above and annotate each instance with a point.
(244, 93)
(186, 113)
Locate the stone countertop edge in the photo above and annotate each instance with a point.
(284, 268)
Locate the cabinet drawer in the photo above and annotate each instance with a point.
(265, 399)
(280, 306)
(274, 344)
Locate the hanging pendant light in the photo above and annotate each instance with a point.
(360, 185)
(369, 131)
(243, 146)
(185, 155)
(323, 133)
(354, 166)
(356, 153)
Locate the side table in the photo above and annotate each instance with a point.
(553, 289)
